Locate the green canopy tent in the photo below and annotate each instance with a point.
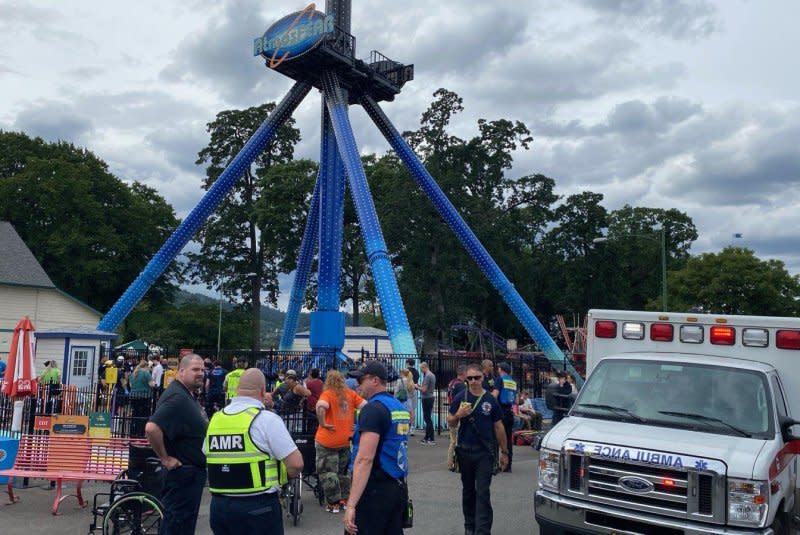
(137, 345)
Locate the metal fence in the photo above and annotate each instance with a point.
(128, 412)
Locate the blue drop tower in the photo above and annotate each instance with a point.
(317, 50)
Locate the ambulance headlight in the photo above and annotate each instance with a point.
(747, 502)
(549, 468)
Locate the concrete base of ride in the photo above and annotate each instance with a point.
(435, 491)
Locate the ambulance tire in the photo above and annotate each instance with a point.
(781, 524)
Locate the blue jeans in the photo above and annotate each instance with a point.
(233, 515)
(183, 490)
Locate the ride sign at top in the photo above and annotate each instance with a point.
(293, 35)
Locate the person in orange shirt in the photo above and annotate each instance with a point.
(336, 415)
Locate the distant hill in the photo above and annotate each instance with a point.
(271, 318)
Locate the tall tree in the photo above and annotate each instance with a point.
(440, 283)
(236, 254)
(573, 259)
(91, 232)
(631, 257)
(734, 281)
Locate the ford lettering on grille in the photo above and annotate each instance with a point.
(635, 484)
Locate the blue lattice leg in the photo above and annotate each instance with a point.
(468, 239)
(204, 208)
(327, 322)
(331, 220)
(389, 295)
(304, 259)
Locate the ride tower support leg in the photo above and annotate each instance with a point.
(331, 221)
(304, 259)
(394, 314)
(465, 235)
(176, 242)
(327, 322)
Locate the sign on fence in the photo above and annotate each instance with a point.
(100, 424)
(63, 424)
(41, 423)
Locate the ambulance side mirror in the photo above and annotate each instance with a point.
(787, 432)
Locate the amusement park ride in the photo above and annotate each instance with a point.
(317, 50)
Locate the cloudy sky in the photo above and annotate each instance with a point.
(691, 104)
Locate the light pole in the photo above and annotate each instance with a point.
(663, 246)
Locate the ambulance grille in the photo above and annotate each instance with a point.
(669, 486)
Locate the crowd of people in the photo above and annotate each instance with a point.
(229, 430)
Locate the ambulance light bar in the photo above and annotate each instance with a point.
(719, 334)
(722, 336)
(787, 339)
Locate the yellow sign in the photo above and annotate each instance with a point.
(100, 425)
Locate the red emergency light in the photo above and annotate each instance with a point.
(662, 332)
(786, 339)
(605, 329)
(722, 336)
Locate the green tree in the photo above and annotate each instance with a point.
(734, 281)
(91, 232)
(190, 325)
(630, 265)
(573, 259)
(238, 240)
(440, 283)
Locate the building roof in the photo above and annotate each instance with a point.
(76, 332)
(18, 266)
(356, 332)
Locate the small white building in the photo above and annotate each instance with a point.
(26, 290)
(76, 351)
(356, 340)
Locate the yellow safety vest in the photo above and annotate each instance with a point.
(233, 382)
(235, 464)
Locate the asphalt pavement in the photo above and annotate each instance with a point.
(436, 493)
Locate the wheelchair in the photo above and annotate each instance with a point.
(302, 427)
(132, 506)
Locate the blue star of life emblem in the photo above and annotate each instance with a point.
(579, 447)
(701, 465)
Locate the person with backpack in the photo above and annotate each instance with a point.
(454, 388)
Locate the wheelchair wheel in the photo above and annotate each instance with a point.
(295, 499)
(137, 513)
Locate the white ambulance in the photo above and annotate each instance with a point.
(684, 426)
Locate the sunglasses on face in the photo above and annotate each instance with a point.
(474, 377)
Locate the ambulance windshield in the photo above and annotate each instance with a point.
(708, 398)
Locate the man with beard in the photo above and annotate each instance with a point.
(176, 431)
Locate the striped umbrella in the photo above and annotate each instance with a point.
(20, 377)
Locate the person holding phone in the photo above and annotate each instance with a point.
(480, 433)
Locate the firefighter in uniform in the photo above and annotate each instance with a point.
(249, 455)
(505, 391)
(378, 493)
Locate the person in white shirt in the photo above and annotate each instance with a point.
(245, 446)
(158, 374)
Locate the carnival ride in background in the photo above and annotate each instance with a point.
(318, 51)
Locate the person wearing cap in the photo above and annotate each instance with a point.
(249, 455)
(505, 392)
(291, 393)
(378, 492)
(478, 416)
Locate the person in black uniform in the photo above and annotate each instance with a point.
(378, 492)
(480, 432)
(176, 431)
(487, 367)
